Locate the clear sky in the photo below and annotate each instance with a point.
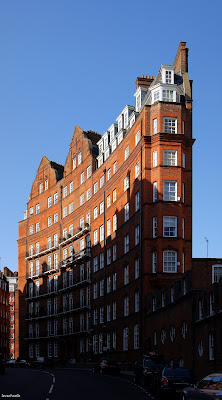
(66, 63)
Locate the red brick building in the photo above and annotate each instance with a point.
(112, 225)
(184, 319)
(12, 278)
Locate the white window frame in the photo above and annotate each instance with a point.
(170, 125)
(170, 157)
(169, 261)
(170, 190)
(169, 226)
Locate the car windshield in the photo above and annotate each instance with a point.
(179, 372)
(211, 383)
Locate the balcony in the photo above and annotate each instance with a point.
(44, 271)
(29, 296)
(44, 250)
(78, 330)
(79, 232)
(75, 308)
(75, 258)
(75, 283)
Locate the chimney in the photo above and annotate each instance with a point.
(144, 81)
(181, 59)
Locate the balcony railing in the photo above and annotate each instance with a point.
(78, 233)
(44, 271)
(41, 294)
(76, 307)
(44, 250)
(76, 282)
(77, 257)
(78, 330)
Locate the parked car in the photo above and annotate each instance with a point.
(107, 367)
(208, 388)
(146, 367)
(23, 364)
(39, 363)
(11, 363)
(171, 381)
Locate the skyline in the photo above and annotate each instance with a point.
(57, 75)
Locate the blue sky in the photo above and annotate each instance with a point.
(67, 63)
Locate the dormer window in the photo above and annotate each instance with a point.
(138, 102)
(167, 95)
(156, 96)
(100, 148)
(168, 76)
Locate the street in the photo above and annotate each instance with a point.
(59, 384)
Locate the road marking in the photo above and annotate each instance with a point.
(51, 389)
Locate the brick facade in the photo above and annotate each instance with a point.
(69, 252)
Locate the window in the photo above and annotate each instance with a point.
(55, 216)
(183, 160)
(114, 252)
(114, 340)
(114, 311)
(126, 212)
(56, 198)
(46, 184)
(102, 181)
(64, 192)
(167, 95)
(126, 274)
(137, 271)
(108, 174)
(137, 170)
(95, 187)
(126, 306)
(31, 211)
(88, 171)
(200, 348)
(71, 187)
(126, 244)
(109, 256)
(170, 125)
(154, 158)
(114, 195)
(108, 312)
(101, 260)
(37, 208)
(137, 201)
(155, 126)
(101, 315)
(95, 290)
(163, 336)
(114, 167)
(184, 329)
(137, 235)
(95, 344)
(101, 233)
(156, 95)
(211, 346)
(216, 273)
(170, 157)
(137, 301)
(31, 230)
(95, 237)
(95, 317)
(154, 227)
(40, 188)
(170, 226)
(168, 76)
(172, 333)
(137, 138)
(101, 207)
(183, 192)
(114, 222)
(211, 298)
(74, 163)
(183, 228)
(37, 226)
(169, 261)
(108, 227)
(82, 178)
(136, 336)
(95, 212)
(108, 201)
(126, 183)
(95, 264)
(49, 243)
(82, 199)
(79, 158)
(170, 191)
(101, 288)
(126, 152)
(64, 212)
(109, 284)
(37, 248)
(125, 339)
(154, 191)
(55, 240)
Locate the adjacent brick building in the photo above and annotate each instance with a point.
(110, 226)
(184, 319)
(12, 278)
